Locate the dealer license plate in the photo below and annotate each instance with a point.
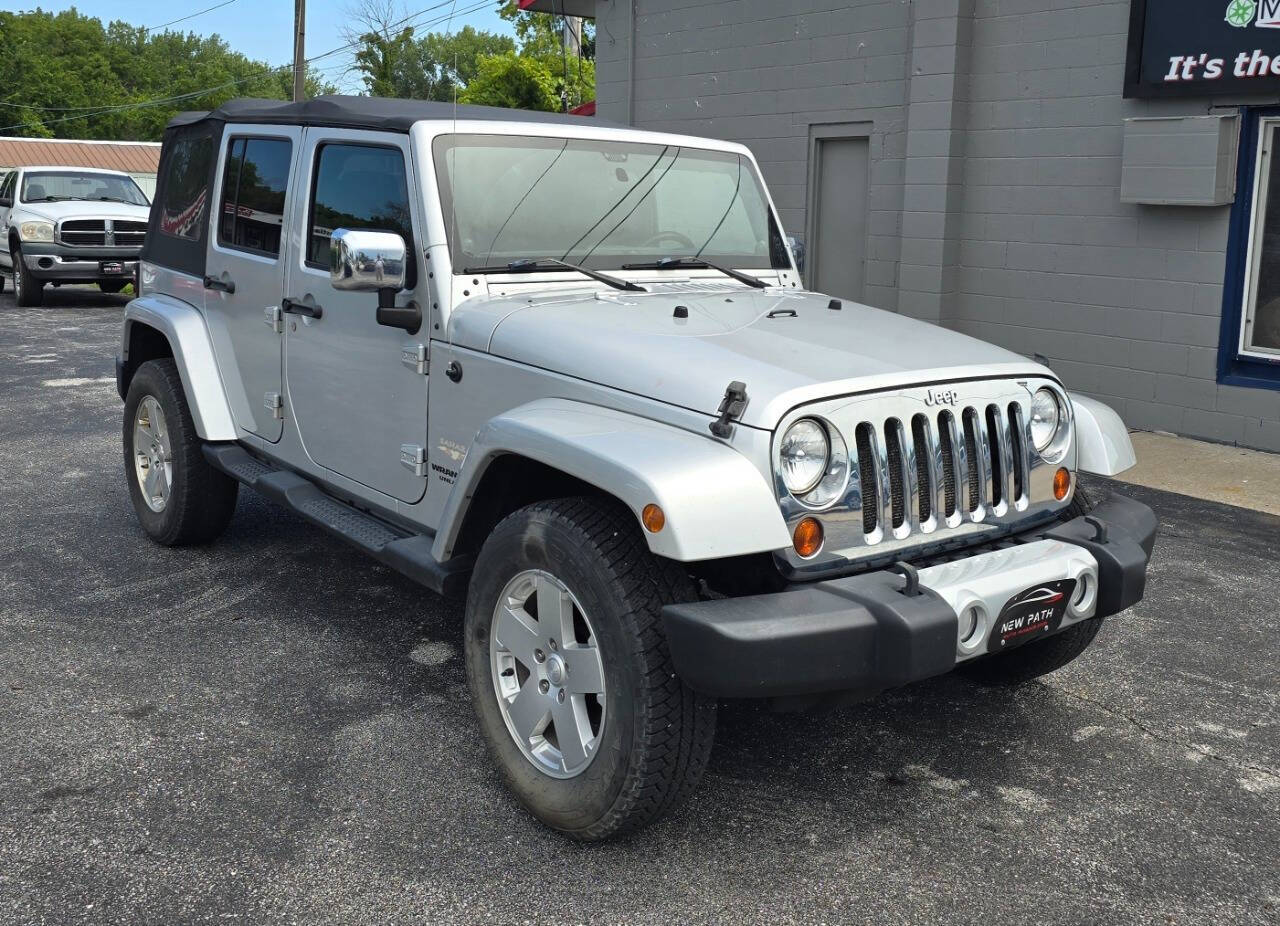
(110, 267)
(1031, 614)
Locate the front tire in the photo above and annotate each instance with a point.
(179, 498)
(1034, 660)
(27, 290)
(569, 670)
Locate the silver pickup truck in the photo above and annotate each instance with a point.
(569, 370)
(69, 225)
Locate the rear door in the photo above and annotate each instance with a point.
(245, 272)
(360, 408)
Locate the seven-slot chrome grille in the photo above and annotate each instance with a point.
(926, 464)
(88, 233)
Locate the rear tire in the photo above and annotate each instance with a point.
(1044, 656)
(179, 498)
(647, 737)
(27, 290)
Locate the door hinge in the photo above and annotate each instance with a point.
(274, 403)
(413, 458)
(414, 356)
(274, 318)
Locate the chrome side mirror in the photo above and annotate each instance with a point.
(366, 261)
(375, 262)
(797, 251)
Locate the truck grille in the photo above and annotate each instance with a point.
(84, 233)
(920, 472)
(91, 233)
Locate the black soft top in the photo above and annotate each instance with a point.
(366, 112)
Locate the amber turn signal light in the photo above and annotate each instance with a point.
(807, 537)
(1061, 483)
(653, 518)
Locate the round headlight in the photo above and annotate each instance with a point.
(1046, 417)
(803, 455)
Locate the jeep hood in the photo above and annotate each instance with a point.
(788, 347)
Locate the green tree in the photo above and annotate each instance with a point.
(448, 63)
(381, 59)
(541, 37)
(513, 81)
(66, 75)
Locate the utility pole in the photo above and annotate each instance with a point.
(299, 50)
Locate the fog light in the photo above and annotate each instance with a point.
(1061, 483)
(807, 537)
(653, 518)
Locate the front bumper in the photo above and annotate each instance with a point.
(864, 634)
(55, 262)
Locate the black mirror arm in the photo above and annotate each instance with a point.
(407, 317)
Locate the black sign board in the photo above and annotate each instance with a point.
(1203, 48)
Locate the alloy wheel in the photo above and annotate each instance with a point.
(152, 453)
(548, 674)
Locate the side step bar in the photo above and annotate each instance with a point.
(389, 544)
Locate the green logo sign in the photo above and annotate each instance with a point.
(1240, 12)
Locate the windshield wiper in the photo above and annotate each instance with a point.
(696, 263)
(115, 199)
(547, 263)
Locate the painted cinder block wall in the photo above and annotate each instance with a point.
(996, 130)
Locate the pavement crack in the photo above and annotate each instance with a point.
(1147, 730)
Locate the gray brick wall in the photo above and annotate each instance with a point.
(997, 131)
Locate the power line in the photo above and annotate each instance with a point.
(180, 19)
(286, 67)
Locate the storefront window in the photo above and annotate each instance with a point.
(1260, 333)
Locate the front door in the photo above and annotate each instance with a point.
(245, 274)
(356, 404)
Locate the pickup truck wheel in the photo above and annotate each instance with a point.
(1044, 656)
(27, 290)
(569, 669)
(180, 499)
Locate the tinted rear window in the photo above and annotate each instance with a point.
(186, 188)
(251, 214)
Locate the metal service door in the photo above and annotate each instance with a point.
(838, 217)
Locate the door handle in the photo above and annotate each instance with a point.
(222, 286)
(298, 307)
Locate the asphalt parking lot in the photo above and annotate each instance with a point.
(273, 729)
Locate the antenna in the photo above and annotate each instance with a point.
(453, 149)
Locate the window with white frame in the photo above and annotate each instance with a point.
(1260, 333)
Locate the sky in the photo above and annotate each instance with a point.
(263, 29)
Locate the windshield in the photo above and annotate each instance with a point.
(50, 186)
(600, 204)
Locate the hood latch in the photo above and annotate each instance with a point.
(732, 406)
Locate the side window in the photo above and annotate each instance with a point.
(251, 207)
(357, 186)
(186, 188)
(6, 188)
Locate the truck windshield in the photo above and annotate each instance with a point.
(601, 204)
(51, 186)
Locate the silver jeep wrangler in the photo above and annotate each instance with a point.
(569, 370)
